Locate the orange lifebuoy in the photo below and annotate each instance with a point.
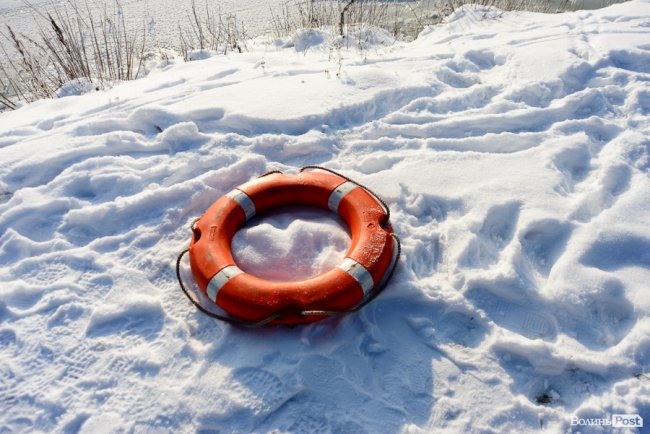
(253, 299)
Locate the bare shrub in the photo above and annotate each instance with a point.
(211, 31)
(72, 46)
(544, 6)
(397, 17)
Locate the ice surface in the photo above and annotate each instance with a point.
(513, 150)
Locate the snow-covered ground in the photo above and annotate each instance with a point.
(160, 19)
(513, 150)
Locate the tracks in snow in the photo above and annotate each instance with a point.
(485, 275)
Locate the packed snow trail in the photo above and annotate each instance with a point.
(513, 150)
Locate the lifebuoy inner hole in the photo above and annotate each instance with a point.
(291, 243)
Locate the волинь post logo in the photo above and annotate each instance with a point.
(616, 421)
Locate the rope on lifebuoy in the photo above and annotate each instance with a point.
(250, 324)
(247, 324)
(228, 319)
(369, 298)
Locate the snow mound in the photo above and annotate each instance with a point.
(327, 39)
(513, 153)
(76, 87)
(305, 39)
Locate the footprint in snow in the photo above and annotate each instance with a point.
(631, 60)
(612, 182)
(574, 164)
(7, 339)
(425, 258)
(78, 362)
(135, 318)
(542, 243)
(56, 269)
(310, 424)
(47, 273)
(422, 209)
(376, 164)
(615, 251)
(518, 318)
(493, 236)
(9, 392)
(322, 378)
(259, 390)
(5, 196)
(454, 79)
(484, 59)
(95, 286)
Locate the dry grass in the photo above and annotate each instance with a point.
(543, 6)
(72, 45)
(345, 16)
(206, 29)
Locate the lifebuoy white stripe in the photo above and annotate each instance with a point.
(359, 272)
(220, 279)
(338, 194)
(245, 202)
